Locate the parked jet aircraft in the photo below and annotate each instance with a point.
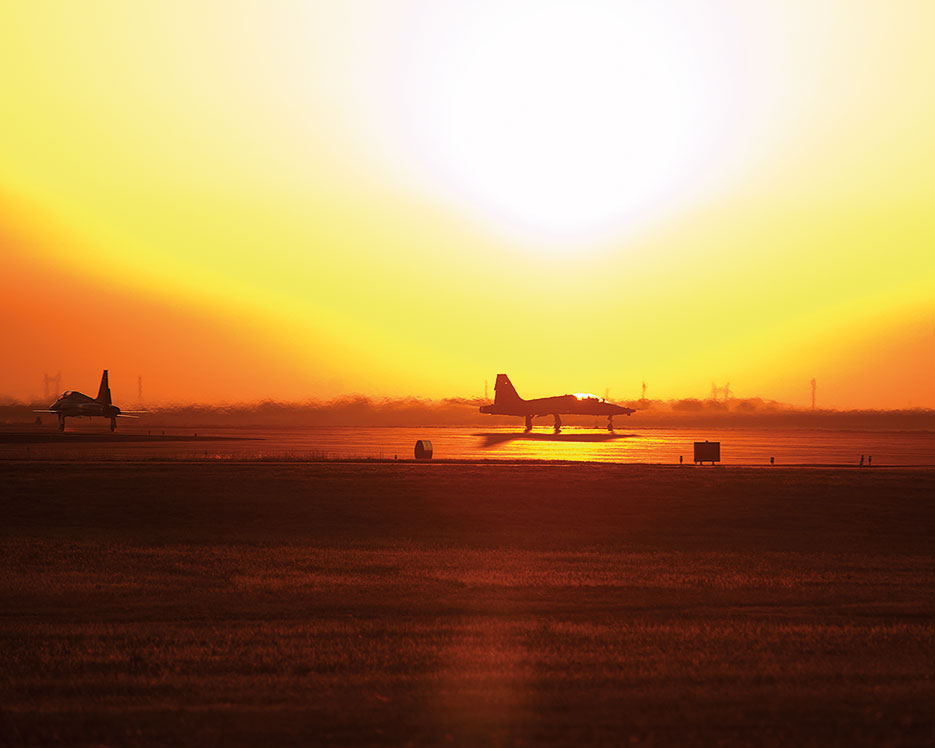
(76, 404)
(508, 403)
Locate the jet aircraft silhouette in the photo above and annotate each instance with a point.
(508, 403)
(77, 404)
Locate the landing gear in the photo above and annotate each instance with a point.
(61, 422)
(113, 424)
(528, 424)
(610, 423)
(558, 423)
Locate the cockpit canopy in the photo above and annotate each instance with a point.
(587, 396)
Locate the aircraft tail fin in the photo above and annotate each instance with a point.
(504, 391)
(103, 392)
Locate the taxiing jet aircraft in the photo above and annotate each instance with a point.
(507, 403)
(76, 404)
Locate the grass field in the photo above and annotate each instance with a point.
(265, 604)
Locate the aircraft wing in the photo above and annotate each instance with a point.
(45, 411)
(133, 413)
(126, 415)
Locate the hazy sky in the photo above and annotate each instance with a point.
(291, 200)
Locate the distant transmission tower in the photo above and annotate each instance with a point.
(485, 390)
(814, 387)
(47, 381)
(139, 389)
(644, 392)
(716, 391)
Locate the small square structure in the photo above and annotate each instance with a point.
(707, 452)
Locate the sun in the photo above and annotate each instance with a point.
(562, 122)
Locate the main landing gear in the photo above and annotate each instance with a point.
(61, 422)
(558, 423)
(528, 424)
(113, 424)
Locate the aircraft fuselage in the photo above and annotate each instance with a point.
(560, 405)
(508, 403)
(74, 404)
(77, 404)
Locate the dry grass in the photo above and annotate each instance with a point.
(382, 604)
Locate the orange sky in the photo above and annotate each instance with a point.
(297, 200)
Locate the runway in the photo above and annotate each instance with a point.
(631, 445)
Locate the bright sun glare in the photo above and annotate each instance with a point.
(562, 122)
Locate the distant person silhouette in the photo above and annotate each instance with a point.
(861, 461)
(772, 460)
(869, 460)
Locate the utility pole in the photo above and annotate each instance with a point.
(139, 389)
(643, 399)
(485, 390)
(814, 387)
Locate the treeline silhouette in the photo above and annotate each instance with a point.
(361, 411)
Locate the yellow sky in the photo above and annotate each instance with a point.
(291, 200)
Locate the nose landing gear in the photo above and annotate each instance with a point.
(610, 423)
(528, 424)
(558, 423)
(61, 422)
(113, 424)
